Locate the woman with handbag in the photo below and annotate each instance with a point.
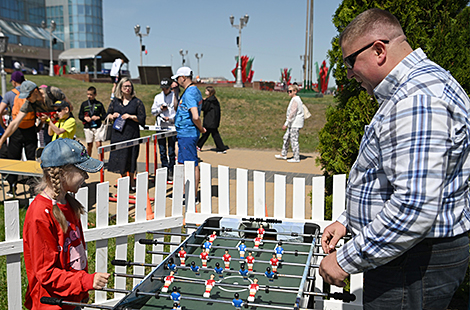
(294, 122)
(128, 112)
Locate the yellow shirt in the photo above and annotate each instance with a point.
(70, 128)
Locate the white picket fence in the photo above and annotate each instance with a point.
(12, 247)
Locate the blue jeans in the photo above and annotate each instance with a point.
(424, 277)
(167, 161)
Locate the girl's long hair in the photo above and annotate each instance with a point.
(53, 177)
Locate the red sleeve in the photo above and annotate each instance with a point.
(46, 264)
(87, 281)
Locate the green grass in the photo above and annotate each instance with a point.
(250, 118)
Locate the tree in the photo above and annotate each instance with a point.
(440, 27)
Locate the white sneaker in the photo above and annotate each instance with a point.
(292, 160)
(280, 156)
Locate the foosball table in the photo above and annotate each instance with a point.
(233, 263)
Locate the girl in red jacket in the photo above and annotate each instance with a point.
(53, 242)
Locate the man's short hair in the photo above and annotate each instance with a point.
(371, 21)
(92, 89)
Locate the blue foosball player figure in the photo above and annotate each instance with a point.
(219, 270)
(269, 274)
(243, 272)
(242, 249)
(176, 296)
(279, 250)
(237, 302)
(171, 265)
(207, 245)
(195, 268)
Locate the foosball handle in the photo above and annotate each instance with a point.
(345, 296)
(120, 262)
(51, 301)
(146, 241)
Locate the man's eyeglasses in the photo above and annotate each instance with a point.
(290, 91)
(350, 60)
(58, 110)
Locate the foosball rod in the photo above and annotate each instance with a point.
(60, 302)
(223, 237)
(119, 262)
(151, 241)
(345, 296)
(233, 258)
(194, 255)
(267, 232)
(182, 297)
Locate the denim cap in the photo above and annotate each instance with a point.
(63, 152)
(26, 88)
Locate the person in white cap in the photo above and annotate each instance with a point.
(187, 121)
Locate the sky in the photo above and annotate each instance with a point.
(274, 35)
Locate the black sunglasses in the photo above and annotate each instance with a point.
(350, 60)
(290, 91)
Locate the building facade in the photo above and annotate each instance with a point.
(79, 24)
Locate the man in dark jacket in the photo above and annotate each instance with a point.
(211, 109)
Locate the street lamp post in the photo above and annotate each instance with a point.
(243, 22)
(50, 29)
(141, 35)
(182, 55)
(3, 50)
(198, 57)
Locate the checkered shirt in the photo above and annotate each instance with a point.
(410, 179)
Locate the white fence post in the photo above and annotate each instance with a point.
(122, 214)
(12, 233)
(298, 199)
(102, 213)
(242, 192)
(224, 190)
(259, 194)
(279, 196)
(206, 188)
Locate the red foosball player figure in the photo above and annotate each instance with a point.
(168, 280)
(250, 260)
(182, 255)
(257, 242)
(227, 258)
(274, 262)
(254, 287)
(261, 231)
(209, 285)
(212, 237)
(203, 257)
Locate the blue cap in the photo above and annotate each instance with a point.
(26, 88)
(63, 152)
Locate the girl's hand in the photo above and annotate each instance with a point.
(100, 280)
(116, 115)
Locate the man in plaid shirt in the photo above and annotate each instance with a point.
(408, 193)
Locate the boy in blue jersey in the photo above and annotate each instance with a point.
(187, 121)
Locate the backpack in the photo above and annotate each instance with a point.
(30, 118)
